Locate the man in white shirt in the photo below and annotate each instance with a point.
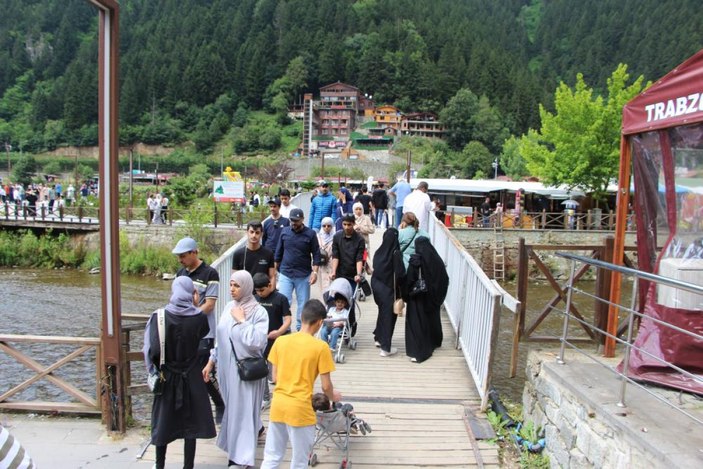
(286, 206)
(420, 204)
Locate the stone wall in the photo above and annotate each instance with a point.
(480, 244)
(218, 240)
(576, 404)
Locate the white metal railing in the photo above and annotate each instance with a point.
(632, 317)
(473, 305)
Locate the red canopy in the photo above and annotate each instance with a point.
(676, 99)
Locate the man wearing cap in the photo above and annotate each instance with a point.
(286, 206)
(274, 224)
(322, 206)
(207, 282)
(348, 252)
(298, 260)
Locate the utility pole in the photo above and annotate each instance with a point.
(408, 165)
(495, 168)
(131, 177)
(8, 147)
(322, 165)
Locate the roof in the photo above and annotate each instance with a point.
(495, 185)
(676, 99)
(339, 84)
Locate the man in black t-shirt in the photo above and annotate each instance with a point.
(379, 200)
(278, 309)
(364, 199)
(206, 281)
(347, 252)
(253, 257)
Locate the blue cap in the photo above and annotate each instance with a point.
(185, 245)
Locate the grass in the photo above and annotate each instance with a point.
(369, 125)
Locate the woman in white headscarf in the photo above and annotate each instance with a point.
(182, 410)
(324, 239)
(243, 327)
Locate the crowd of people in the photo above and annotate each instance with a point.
(281, 258)
(39, 199)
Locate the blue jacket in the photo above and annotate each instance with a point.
(294, 251)
(322, 206)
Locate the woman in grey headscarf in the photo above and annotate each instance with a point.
(324, 239)
(243, 327)
(182, 410)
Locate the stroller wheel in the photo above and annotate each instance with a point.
(340, 358)
(367, 427)
(313, 459)
(352, 344)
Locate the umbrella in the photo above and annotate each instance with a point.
(571, 203)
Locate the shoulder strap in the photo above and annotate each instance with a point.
(233, 351)
(161, 320)
(411, 241)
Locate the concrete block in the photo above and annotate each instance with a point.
(556, 449)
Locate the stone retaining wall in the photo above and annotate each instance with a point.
(480, 243)
(218, 240)
(576, 404)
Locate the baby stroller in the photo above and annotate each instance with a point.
(336, 425)
(342, 286)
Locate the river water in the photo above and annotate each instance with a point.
(67, 303)
(64, 303)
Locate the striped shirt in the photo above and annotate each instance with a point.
(12, 454)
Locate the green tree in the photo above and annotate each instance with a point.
(457, 118)
(578, 145)
(24, 170)
(511, 161)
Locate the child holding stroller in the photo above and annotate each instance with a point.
(297, 361)
(337, 316)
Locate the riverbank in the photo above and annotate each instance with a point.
(144, 249)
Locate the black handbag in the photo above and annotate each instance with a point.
(252, 368)
(365, 287)
(420, 286)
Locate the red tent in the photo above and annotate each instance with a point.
(662, 151)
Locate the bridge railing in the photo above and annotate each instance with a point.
(473, 304)
(632, 318)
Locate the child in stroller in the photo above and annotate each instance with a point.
(341, 317)
(335, 422)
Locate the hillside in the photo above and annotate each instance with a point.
(189, 66)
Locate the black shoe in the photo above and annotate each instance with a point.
(219, 412)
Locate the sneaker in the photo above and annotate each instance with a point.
(413, 359)
(392, 351)
(265, 404)
(377, 343)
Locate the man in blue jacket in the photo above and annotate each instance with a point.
(322, 206)
(297, 247)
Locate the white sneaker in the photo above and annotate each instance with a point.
(377, 343)
(392, 351)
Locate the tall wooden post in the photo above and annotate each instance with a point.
(113, 373)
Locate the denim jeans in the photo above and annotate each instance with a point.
(379, 218)
(330, 334)
(398, 216)
(301, 285)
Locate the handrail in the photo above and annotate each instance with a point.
(473, 305)
(632, 313)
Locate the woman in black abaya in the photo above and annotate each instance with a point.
(388, 273)
(182, 410)
(423, 325)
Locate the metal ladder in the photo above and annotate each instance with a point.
(498, 252)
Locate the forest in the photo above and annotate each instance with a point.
(198, 70)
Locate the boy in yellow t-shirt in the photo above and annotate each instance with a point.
(297, 360)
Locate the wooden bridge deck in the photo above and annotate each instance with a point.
(420, 413)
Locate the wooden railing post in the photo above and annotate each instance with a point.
(214, 214)
(522, 282)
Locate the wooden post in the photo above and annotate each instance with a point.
(522, 282)
(589, 219)
(619, 244)
(169, 210)
(600, 309)
(214, 214)
(544, 218)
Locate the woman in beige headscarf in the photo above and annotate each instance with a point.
(324, 239)
(364, 226)
(243, 326)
